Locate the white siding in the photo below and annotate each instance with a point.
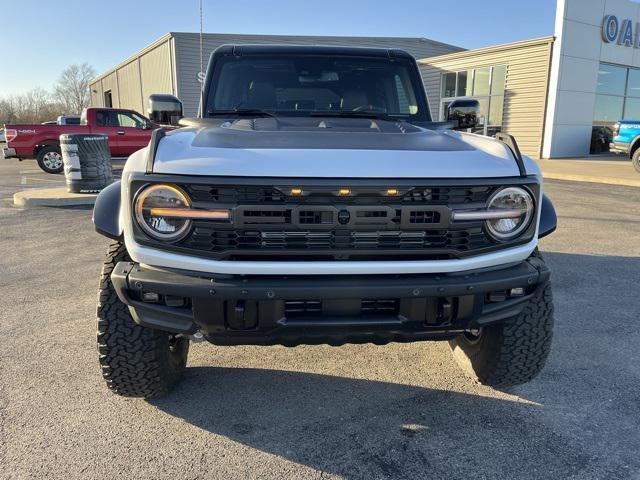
(155, 68)
(110, 82)
(132, 81)
(129, 83)
(527, 77)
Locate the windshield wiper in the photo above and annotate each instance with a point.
(242, 112)
(351, 114)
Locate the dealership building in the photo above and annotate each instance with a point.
(558, 95)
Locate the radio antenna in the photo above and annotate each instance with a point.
(201, 74)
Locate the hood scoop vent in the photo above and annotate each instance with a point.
(310, 124)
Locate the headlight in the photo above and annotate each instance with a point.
(513, 210)
(158, 209)
(164, 212)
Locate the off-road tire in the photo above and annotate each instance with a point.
(41, 159)
(511, 352)
(635, 160)
(136, 361)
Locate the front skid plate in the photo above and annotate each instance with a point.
(214, 303)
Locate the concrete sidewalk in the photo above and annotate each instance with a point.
(612, 170)
(52, 197)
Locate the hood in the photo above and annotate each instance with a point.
(329, 148)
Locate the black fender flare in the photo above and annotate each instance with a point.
(548, 218)
(106, 212)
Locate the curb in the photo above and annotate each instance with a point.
(52, 197)
(591, 179)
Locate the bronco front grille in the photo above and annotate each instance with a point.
(270, 222)
(206, 237)
(279, 195)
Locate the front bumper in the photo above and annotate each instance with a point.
(293, 310)
(618, 147)
(9, 152)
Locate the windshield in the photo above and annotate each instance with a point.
(297, 85)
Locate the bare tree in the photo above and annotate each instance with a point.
(70, 96)
(72, 89)
(34, 106)
(8, 110)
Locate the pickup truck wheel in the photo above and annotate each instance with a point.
(136, 361)
(50, 159)
(512, 352)
(635, 159)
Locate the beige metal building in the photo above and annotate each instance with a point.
(510, 81)
(559, 95)
(171, 64)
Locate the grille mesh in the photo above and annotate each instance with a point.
(270, 221)
(206, 237)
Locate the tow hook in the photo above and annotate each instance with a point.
(197, 337)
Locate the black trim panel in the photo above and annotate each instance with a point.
(157, 135)
(106, 212)
(333, 181)
(510, 141)
(236, 310)
(548, 218)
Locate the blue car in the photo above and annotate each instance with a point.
(626, 140)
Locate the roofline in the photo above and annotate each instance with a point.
(164, 38)
(240, 49)
(418, 39)
(170, 35)
(483, 50)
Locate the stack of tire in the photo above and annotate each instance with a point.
(87, 162)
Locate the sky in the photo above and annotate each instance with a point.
(39, 38)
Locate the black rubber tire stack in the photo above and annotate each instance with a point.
(87, 162)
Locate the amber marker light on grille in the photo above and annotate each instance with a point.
(296, 191)
(190, 213)
(392, 191)
(344, 192)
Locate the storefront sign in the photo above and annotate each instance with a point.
(625, 32)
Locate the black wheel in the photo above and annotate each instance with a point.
(635, 159)
(136, 361)
(512, 352)
(50, 159)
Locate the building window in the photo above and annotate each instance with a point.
(108, 101)
(464, 84)
(487, 85)
(448, 85)
(481, 81)
(617, 98)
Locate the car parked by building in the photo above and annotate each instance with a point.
(626, 140)
(128, 131)
(316, 202)
(69, 120)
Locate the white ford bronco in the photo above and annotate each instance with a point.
(314, 201)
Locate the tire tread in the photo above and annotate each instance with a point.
(133, 358)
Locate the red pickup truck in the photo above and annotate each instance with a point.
(128, 131)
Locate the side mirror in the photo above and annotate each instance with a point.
(164, 109)
(464, 112)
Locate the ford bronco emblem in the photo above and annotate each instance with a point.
(343, 217)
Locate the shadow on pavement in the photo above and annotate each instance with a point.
(369, 429)
(359, 428)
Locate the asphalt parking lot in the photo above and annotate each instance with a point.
(398, 411)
